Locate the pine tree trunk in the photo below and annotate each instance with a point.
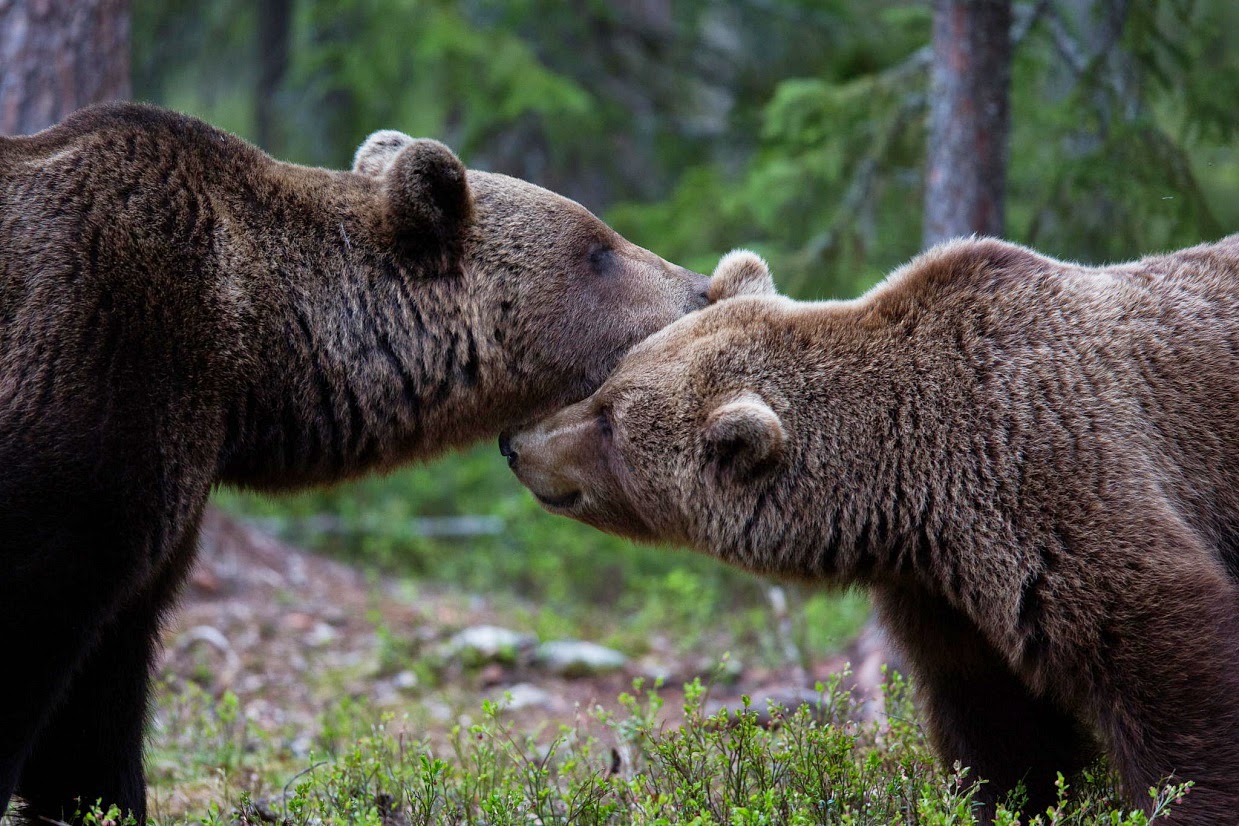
(965, 176)
(57, 56)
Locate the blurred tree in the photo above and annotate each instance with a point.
(59, 56)
(1121, 102)
(834, 165)
(605, 100)
(1116, 108)
(970, 77)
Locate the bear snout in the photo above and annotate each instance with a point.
(506, 450)
(541, 469)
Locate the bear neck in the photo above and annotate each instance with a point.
(888, 469)
(362, 366)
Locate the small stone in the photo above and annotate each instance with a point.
(574, 658)
(384, 694)
(321, 635)
(491, 675)
(298, 621)
(206, 581)
(524, 695)
(334, 615)
(656, 671)
(729, 670)
(405, 681)
(438, 711)
(488, 643)
(250, 684)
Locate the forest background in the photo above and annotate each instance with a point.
(795, 127)
(800, 128)
(836, 137)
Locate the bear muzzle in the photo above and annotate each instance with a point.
(534, 460)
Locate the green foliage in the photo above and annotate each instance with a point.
(793, 126)
(829, 193)
(811, 765)
(1111, 135)
(424, 68)
(218, 737)
(1120, 155)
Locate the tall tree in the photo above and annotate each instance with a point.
(969, 119)
(57, 56)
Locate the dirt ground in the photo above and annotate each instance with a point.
(293, 635)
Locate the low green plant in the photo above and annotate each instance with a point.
(642, 763)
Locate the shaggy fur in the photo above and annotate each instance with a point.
(177, 310)
(1033, 465)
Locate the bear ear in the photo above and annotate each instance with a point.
(428, 203)
(740, 273)
(378, 151)
(745, 435)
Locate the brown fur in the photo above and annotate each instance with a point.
(1031, 464)
(178, 310)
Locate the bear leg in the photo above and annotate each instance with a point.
(61, 584)
(1168, 703)
(977, 711)
(8, 782)
(985, 718)
(91, 749)
(45, 647)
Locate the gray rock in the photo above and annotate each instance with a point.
(657, 671)
(405, 681)
(574, 658)
(322, 634)
(525, 695)
(488, 643)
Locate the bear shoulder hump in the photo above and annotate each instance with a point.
(964, 265)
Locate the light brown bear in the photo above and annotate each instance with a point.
(1032, 465)
(179, 310)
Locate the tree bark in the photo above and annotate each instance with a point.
(969, 118)
(57, 56)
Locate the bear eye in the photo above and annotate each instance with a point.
(600, 259)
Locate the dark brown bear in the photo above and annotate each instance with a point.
(179, 310)
(1033, 466)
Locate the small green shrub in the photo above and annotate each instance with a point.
(639, 765)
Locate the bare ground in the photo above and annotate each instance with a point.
(294, 635)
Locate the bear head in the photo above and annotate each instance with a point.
(555, 297)
(686, 431)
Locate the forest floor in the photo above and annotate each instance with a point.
(296, 690)
(282, 650)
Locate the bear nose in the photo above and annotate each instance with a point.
(505, 448)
